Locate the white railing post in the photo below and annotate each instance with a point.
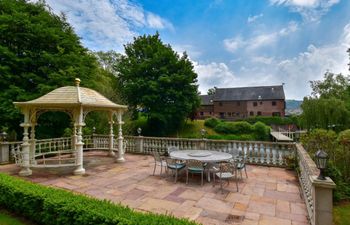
(4, 152)
(139, 144)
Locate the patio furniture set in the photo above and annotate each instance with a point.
(222, 165)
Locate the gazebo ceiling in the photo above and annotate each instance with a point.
(71, 96)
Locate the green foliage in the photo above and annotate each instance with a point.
(273, 120)
(262, 132)
(242, 137)
(211, 122)
(338, 150)
(324, 113)
(7, 219)
(39, 52)
(341, 214)
(332, 86)
(243, 130)
(154, 78)
(46, 205)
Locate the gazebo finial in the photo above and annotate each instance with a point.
(77, 81)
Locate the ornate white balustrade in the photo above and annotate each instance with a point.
(317, 193)
(262, 153)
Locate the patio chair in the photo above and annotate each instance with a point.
(174, 166)
(227, 171)
(159, 161)
(241, 164)
(194, 167)
(172, 148)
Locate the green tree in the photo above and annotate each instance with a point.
(155, 79)
(332, 86)
(211, 91)
(324, 113)
(39, 52)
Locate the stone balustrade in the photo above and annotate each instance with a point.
(317, 193)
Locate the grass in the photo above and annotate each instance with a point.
(8, 219)
(341, 214)
(192, 129)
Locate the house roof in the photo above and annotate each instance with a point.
(249, 93)
(71, 96)
(206, 99)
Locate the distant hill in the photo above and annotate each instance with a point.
(293, 107)
(293, 104)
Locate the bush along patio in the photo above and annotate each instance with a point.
(46, 205)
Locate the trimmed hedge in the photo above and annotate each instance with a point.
(273, 120)
(211, 122)
(46, 205)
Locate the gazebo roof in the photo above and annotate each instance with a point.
(71, 96)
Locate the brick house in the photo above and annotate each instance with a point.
(242, 102)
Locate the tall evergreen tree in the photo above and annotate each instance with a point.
(155, 79)
(39, 52)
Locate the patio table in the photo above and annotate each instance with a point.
(204, 156)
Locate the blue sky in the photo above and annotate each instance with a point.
(231, 42)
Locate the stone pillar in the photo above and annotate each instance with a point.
(25, 171)
(120, 138)
(4, 152)
(322, 200)
(111, 135)
(79, 144)
(139, 144)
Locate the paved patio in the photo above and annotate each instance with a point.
(269, 196)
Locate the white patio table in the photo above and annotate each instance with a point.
(204, 156)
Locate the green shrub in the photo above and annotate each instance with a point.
(262, 132)
(224, 128)
(273, 120)
(243, 137)
(211, 122)
(46, 205)
(238, 128)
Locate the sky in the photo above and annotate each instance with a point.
(231, 43)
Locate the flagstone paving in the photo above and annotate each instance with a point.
(268, 196)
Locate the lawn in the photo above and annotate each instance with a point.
(341, 214)
(7, 219)
(192, 129)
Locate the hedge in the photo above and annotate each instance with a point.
(211, 122)
(47, 205)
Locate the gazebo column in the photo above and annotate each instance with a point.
(111, 135)
(79, 142)
(120, 138)
(32, 143)
(25, 171)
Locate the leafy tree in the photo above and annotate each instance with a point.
(324, 113)
(157, 81)
(211, 91)
(333, 86)
(39, 52)
(108, 60)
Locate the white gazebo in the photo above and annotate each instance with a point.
(77, 102)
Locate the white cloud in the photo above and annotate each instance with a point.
(297, 71)
(262, 40)
(155, 21)
(107, 24)
(214, 74)
(233, 44)
(310, 10)
(252, 19)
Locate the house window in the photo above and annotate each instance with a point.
(229, 114)
(210, 113)
(259, 113)
(276, 114)
(238, 103)
(222, 114)
(251, 113)
(237, 113)
(273, 103)
(201, 113)
(255, 104)
(260, 103)
(220, 103)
